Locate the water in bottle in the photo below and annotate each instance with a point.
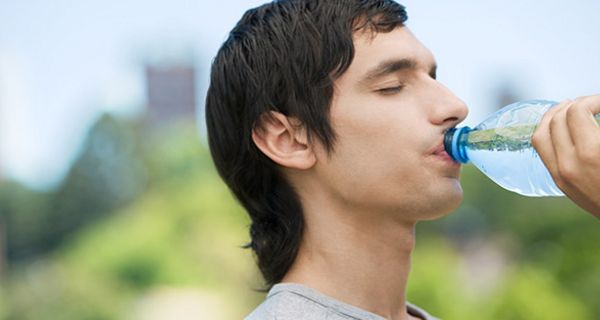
(501, 148)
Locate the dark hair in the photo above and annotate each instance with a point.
(282, 56)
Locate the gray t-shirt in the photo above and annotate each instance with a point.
(289, 301)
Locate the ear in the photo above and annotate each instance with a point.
(284, 141)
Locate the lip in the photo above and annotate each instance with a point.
(439, 149)
(440, 153)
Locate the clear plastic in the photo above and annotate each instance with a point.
(501, 148)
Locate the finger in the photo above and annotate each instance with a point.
(542, 141)
(582, 125)
(559, 133)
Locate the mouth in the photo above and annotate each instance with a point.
(440, 153)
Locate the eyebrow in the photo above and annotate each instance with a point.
(392, 66)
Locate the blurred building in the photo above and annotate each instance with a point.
(171, 93)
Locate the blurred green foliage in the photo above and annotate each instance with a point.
(143, 217)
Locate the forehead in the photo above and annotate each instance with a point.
(372, 49)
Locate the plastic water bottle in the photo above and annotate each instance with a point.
(501, 148)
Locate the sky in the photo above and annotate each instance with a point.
(63, 63)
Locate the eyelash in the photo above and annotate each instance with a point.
(390, 90)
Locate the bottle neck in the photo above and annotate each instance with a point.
(455, 141)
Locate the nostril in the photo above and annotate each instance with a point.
(451, 119)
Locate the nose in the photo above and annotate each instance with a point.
(448, 110)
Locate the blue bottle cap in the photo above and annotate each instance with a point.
(454, 140)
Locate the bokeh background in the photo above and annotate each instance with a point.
(110, 207)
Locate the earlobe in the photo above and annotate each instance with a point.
(283, 141)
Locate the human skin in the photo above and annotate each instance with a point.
(387, 171)
(568, 142)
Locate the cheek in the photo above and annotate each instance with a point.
(377, 138)
(378, 157)
(371, 171)
(366, 124)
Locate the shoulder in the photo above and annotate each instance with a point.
(285, 305)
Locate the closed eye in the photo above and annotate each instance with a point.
(390, 90)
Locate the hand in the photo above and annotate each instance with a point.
(568, 142)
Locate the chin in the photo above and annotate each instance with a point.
(443, 203)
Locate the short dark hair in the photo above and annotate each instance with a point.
(283, 56)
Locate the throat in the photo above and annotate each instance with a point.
(362, 265)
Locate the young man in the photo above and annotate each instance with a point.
(326, 121)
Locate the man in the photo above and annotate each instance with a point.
(326, 121)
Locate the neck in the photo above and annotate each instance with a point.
(360, 258)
